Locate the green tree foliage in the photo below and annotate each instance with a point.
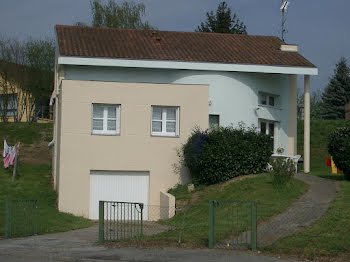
(339, 149)
(40, 59)
(223, 153)
(222, 22)
(124, 15)
(337, 93)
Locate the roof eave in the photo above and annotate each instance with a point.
(201, 66)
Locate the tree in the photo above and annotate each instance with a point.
(124, 15)
(222, 22)
(337, 93)
(40, 59)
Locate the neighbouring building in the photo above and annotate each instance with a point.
(126, 100)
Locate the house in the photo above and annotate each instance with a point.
(16, 104)
(126, 100)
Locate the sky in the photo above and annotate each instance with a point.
(319, 27)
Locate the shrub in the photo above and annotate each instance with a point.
(339, 149)
(282, 172)
(225, 152)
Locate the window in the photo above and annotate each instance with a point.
(105, 119)
(269, 128)
(8, 105)
(268, 100)
(165, 121)
(214, 121)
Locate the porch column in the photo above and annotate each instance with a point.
(306, 123)
(292, 117)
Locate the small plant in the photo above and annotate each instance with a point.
(339, 148)
(282, 172)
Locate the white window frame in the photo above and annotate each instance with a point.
(268, 131)
(164, 121)
(268, 96)
(105, 119)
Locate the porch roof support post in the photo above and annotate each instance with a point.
(306, 123)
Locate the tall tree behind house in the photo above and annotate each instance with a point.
(123, 15)
(222, 22)
(337, 93)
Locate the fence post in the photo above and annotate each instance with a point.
(8, 219)
(101, 221)
(141, 208)
(35, 217)
(253, 231)
(212, 223)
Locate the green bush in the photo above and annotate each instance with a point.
(282, 172)
(225, 152)
(339, 149)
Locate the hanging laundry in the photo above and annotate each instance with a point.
(6, 149)
(9, 155)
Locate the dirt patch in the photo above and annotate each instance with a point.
(38, 153)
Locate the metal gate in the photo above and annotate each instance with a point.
(232, 223)
(21, 218)
(120, 220)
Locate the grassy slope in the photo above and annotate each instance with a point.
(34, 181)
(258, 188)
(330, 236)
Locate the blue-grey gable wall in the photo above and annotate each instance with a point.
(233, 95)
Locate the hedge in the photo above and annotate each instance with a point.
(339, 149)
(226, 152)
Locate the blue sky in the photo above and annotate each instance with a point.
(319, 27)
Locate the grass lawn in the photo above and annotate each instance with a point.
(257, 188)
(329, 236)
(34, 182)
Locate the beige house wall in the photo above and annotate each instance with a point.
(134, 149)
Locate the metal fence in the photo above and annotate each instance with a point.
(19, 218)
(120, 220)
(220, 224)
(232, 223)
(217, 224)
(149, 224)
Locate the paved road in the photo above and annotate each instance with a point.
(80, 245)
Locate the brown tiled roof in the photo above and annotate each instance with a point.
(176, 46)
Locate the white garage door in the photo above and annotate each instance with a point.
(121, 186)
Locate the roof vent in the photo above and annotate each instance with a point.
(289, 48)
